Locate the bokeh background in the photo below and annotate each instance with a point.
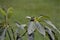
(23, 8)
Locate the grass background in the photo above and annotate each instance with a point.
(23, 8)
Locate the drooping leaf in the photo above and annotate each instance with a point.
(21, 26)
(31, 36)
(55, 35)
(2, 12)
(42, 17)
(3, 34)
(28, 17)
(10, 12)
(31, 27)
(9, 35)
(18, 37)
(13, 33)
(24, 33)
(51, 24)
(50, 33)
(40, 28)
(17, 30)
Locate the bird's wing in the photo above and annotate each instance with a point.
(40, 28)
(50, 33)
(31, 27)
(51, 24)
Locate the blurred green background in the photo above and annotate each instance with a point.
(23, 8)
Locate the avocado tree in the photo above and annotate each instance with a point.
(4, 22)
(36, 23)
(42, 24)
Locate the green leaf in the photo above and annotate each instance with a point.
(31, 27)
(10, 12)
(2, 12)
(50, 33)
(40, 28)
(51, 24)
(21, 26)
(3, 34)
(44, 17)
